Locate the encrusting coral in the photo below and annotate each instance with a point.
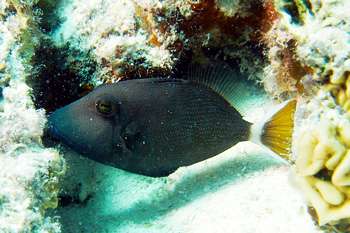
(29, 172)
(90, 44)
(321, 30)
(148, 38)
(285, 74)
(323, 167)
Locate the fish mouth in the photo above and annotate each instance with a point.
(55, 133)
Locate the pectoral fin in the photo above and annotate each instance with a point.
(131, 136)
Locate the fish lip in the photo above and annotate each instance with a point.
(54, 132)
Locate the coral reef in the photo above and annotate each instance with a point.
(147, 38)
(29, 185)
(323, 145)
(321, 29)
(86, 43)
(19, 36)
(28, 172)
(316, 35)
(285, 75)
(54, 52)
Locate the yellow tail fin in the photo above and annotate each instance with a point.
(275, 131)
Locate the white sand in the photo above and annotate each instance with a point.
(241, 190)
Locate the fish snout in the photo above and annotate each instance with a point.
(53, 131)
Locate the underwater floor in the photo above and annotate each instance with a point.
(241, 190)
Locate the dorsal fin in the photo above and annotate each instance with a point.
(224, 80)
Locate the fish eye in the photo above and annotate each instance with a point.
(106, 107)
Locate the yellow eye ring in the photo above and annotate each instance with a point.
(106, 108)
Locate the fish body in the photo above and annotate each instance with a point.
(159, 125)
(151, 126)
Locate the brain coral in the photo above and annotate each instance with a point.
(323, 166)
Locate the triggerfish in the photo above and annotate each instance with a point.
(154, 126)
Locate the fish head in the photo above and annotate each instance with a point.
(91, 127)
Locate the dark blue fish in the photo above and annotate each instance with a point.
(154, 126)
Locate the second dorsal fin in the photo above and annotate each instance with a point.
(221, 78)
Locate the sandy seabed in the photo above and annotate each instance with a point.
(243, 189)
